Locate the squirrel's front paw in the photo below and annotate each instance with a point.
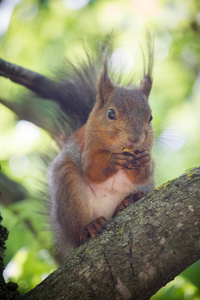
(141, 158)
(128, 201)
(130, 160)
(92, 229)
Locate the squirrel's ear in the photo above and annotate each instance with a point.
(105, 86)
(146, 85)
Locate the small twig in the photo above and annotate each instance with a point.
(20, 75)
(40, 84)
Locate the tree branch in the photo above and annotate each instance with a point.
(74, 95)
(143, 248)
(10, 191)
(21, 75)
(43, 86)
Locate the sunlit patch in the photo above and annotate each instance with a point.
(122, 61)
(189, 54)
(189, 292)
(28, 12)
(22, 140)
(15, 266)
(145, 8)
(6, 10)
(163, 45)
(19, 165)
(26, 132)
(198, 18)
(75, 5)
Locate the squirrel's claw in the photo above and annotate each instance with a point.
(127, 201)
(92, 229)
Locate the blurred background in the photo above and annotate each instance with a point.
(38, 35)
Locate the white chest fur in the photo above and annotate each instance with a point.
(105, 197)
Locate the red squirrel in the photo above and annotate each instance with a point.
(105, 164)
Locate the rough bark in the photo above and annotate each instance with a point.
(8, 291)
(142, 249)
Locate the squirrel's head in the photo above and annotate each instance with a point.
(122, 116)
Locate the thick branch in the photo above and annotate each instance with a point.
(143, 248)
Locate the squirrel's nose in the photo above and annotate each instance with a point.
(137, 140)
(134, 140)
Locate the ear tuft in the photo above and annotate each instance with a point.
(146, 85)
(148, 61)
(105, 86)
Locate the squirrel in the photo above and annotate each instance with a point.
(106, 163)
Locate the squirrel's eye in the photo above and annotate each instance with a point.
(151, 118)
(111, 114)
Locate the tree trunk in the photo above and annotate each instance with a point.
(142, 249)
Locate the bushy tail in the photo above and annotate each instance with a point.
(72, 97)
(76, 93)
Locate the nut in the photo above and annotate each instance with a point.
(127, 149)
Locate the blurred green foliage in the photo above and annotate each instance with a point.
(38, 35)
